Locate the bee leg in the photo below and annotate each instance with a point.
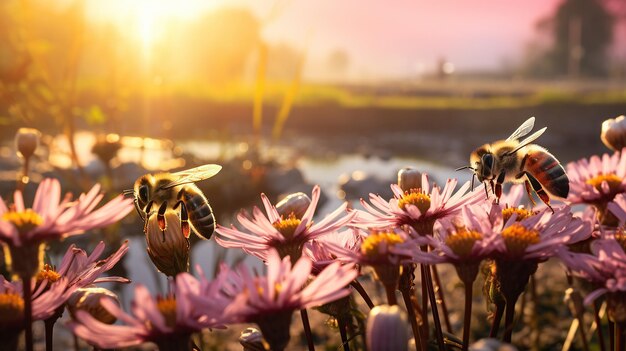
(499, 182)
(148, 212)
(528, 191)
(161, 218)
(139, 212)
(486, 190)
(184, 218)
(539, 190)
(493, 190)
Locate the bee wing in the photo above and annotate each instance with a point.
(193, 175)
(524, 129)
(528, 140)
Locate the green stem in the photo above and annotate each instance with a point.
(612, 334)
(391, 295)
(410, 308)
(28, 312)
(497, 319)
(343, 324)
(359, 288)
(442, 300)
(467, 319)
(508, 320)
(433, 306)
(307, 329)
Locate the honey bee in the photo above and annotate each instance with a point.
(517, 161)
(178, 191)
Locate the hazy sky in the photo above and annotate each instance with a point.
(389, 38)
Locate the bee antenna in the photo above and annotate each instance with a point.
(465, 167)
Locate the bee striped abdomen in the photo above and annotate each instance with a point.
(200, 212)
(548, 171)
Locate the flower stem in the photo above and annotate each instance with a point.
(391, 295)
(307, 329)
(442, 300)
(612, 334)
(467, 319)
(509, 318)
(410, 308)
(359, 288)
(433, 306)
(343, 324)
(596, 316)
(49, 323)
(619, 337)
(425, 323)
(28, 312)
(497, 318)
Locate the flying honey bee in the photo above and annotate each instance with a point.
(517, 161)
(177, 190)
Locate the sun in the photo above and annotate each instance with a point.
(146, 20)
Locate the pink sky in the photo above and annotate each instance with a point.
(384, 38)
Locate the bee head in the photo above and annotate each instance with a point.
(142, 191)
(484, 167)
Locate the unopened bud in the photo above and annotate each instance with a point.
(613, 133)
(26, 141)
(387, 329)
(252, 340)
(106, 147)
(296, 203)
(168, 249)
(88, 300)
(409, 178)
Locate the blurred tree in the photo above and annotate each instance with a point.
(337, 63)
(581, 33)
(282, 62)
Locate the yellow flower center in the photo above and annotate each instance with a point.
(48, 273)
(463, 241)
(371, 246)
(522, 213)
(287, 227)
(11, 308)
(613, 180)
(517, 238)
(24, 221)
(416, 198)
(167, 307)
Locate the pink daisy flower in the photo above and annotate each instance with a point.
(270, 301)
(320, 251)
(286, 235)
(597, 180)
(537, 236)
(465, 239)
(419, 208)
(23, 229)
(45, 301)
(168, 321)
(82, 270)
(605, 268)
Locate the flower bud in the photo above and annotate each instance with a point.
(613, 133)
(88, 300)
(106, 147)
(26, 141)
(409, 178)
(252, 340)
(168, 249)
(296, 203)
(387, 329)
